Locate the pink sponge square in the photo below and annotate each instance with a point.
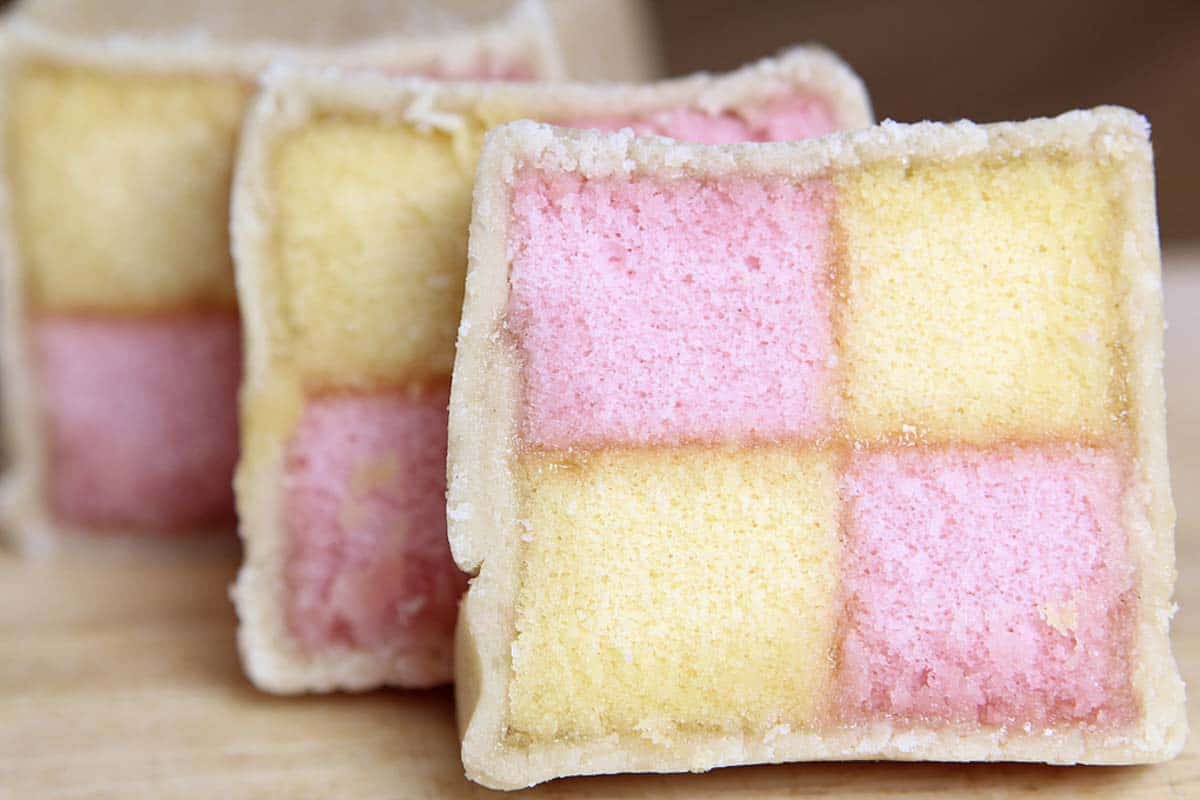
(142, 419)
(368, 564)
(651, 311)
(987, 586)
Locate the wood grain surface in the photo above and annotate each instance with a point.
(119, 678)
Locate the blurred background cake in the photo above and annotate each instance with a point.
(122, 119)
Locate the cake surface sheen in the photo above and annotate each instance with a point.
(849, 448)
(351, 211)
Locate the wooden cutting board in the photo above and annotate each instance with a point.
(120, 679)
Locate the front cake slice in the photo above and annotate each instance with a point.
(351, 210)
(850, 448)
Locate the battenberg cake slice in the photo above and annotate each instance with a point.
(121, 341)
(351, 208)
(849, 448)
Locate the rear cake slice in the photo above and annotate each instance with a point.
(121, 343)
(850, 448)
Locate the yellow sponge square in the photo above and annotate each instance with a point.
(667, 590)
(981, 299)
(121, 187)
(372, 245)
